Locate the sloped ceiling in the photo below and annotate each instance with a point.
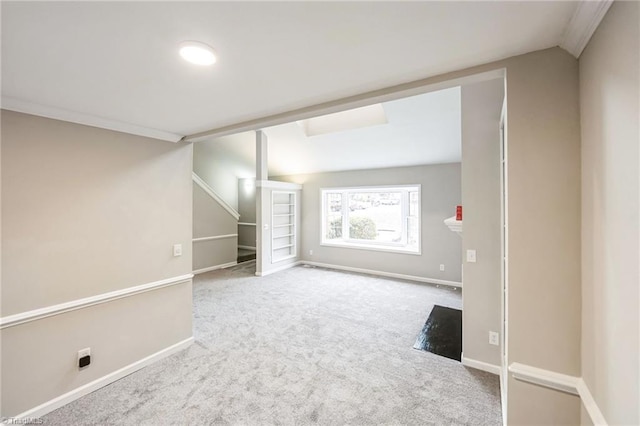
(118, 61)
(422, 129)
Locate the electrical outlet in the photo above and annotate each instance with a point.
(441, 267)
(310, 252)
(494, 338)
(177, 250)
(84, 358)
(471, 256)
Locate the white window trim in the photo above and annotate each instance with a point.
(357, 244)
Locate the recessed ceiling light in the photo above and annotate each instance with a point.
(197, 53)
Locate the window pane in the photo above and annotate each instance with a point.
(375, 216)
(413, 224)
(413, 232)
(413, 203)
(333, 216)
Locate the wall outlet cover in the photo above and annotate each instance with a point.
(84, 357)
(494, 338)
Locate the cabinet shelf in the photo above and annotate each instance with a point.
(283, 246)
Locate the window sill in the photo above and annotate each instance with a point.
(372, 248)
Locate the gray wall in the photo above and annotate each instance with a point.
(609, 93)
(482, 290)
(247, 210)
(87, 211)
(214, 166)
(210, 219)
(441, 189)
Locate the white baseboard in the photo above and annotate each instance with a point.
(213, 268)
(385, 274)
(278, 269)
(481, 365)
(246, 247)
(83, 390)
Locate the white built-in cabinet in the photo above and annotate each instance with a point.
(283, 225)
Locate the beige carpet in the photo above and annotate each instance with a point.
(303, 346)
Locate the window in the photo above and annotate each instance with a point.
(375, 218)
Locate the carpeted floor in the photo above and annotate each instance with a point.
(302, 346)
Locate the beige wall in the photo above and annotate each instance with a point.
(247, 210)
(210, 219)
(247, 236)
(87, 211)
(543, 178)
(39, 358)
(440, 194)
(214, 166)
(609, 89)
(482, 300)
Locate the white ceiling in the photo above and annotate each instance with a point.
(422, 129)
(118, 61)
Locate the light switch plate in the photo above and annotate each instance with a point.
(177, 250)
(471, 256)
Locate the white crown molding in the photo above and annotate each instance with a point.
(103, 381)
(37, 314)
(17, 105)
(583, 24)
(206, 188)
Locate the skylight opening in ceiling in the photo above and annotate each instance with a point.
(368, 116)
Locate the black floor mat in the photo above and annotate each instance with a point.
(442, 333)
